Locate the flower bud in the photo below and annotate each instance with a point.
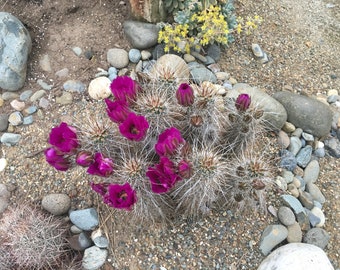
(84, 158)
(196, 120)
(242, 102)
(185, 95)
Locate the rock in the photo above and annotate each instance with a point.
(275, 114)
(318, 213)
(320, 152)
(297, 132)
(65, 98)
(80, 241)
(77, 51)
(283, 139)
(3, 165)
(295, 145)
(294, 233)
(9, 96)
(281, 183)
(15, 47)
(37, 95)
(257, 51)
(24, 96)
(288, 176)
(113, 73)
(146, 55)
(332, 92)
(44, 85)
(74, 86)
(30, 110)
(99, 239)
(158, 51)
(299, 211)
(306, 200)
(15, 118)
(62, 73)
(304, 156)
(3, 122)
(28, 120)
(311, 115)
(135, 55)
(308, 137)
(44, 103)
(118, 58)
(199, 56)
(315, 192)
(288, 127)
(214, 51)
(288, 160)
(57, 203)
(332, 146)
(10, 139)
(141, 35)
(272, 236)
(286, 216)
(220, 75)
(17, 105)
(311, 172)
(317, 237)
(297, 256)
(99, 88)
(292, 189)
(199, 73)
(94, 257)
(85, 219)
(75, 230)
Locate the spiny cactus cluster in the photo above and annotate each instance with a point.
(167, 147)
(30, 239)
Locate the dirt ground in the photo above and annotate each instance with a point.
(302, 39)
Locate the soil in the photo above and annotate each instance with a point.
(302, 39)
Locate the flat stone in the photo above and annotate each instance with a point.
(199, 73)
(298, 209)
(295, 145)
(85, 219)
(294, 233)
(74, 86)
(316, 193)
(317, 237)
(62, 73)
(288, 176)
(313, 219)
(37, 95)
(24, 96)
(28, 120)
(56, 203)
(308, 137)
(45, 63)
(311, 115)
(15, 47)
(296, 256)
(9, 96)
(304, 156)
(306, 200)
(65, 98)
(10, 139)
(141, 35)
(311, 172)
(45, 85)
(271, 237)
(94, 257)
(286, 216)
(297, 132)
(274, 115)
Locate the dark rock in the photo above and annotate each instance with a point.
(332, 146)
(318, 237)
(288, 160)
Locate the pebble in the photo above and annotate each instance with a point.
(304, 156)
(288, 160)
(288, 127)
(113, 73)
(199, 73)
(24, 96)
(292, 189)
(45, 63)
(17, 105)
(281, 183)
(57, 203)
(3, 122)
(319, 213)
(209, 61)
(313, 219)
(4, 193)
(10, 139)
(77, 51)
(306, 200)
(30, 110)
(44, 85)
(3, 204)
(75, 230)
(272, 236)
(295, 145)
(297, 256)
(288, 176)
(94, 257)
(9, 96)
(318, 237)
(118, 58)
(297, 132)
(44, 103)
(222, 76)
(198, 56)
(146, 55)
(214, 51)
(65, 98)
(99, 88)
(80, 241)
(99, 239)
(298, 209)
(294, 233)
(74, 86)
(320, 152)
(3, 164)
(311, 172)
(62, 73)
(298, 182)
(37, 95)
(135, 55)
(28, 120)
(188, 58)
(332, 92)
(283, 139)
(332, 99)
(315, 192)
(286, 216)
(257, 51)
(308, 137)
(85, 219)
(15, 118)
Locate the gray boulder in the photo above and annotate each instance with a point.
(15, 46)
(141, 35)
(311, 115)
(275, 114)
(199, 73)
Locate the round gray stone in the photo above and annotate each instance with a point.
(294, 233)
(286, 216)
(318, 237)
(118, 58)
(311, 115)
(135, 55)
(311, 172)
(56, 203)
(15, 46)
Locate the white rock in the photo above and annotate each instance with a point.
(318, 212)
(332, 92)
(297, 256)
(3, 164)
(99, 88)
(94, 258)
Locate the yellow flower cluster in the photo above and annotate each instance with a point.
(172, 35)
(249, 25)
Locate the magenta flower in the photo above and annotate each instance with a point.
(56, 159)
(168, 142)
(242, 102)
(100, 188)
(124, 88)
(101, 166)
(134, 127)
(64, 138)
(184, 169)
(185, 95)
(120, 196)
(162, 176)
(117, 110)
(84, 158)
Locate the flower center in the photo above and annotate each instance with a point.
(123, 195)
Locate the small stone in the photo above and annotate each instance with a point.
(88, 54)
(141, 35)
(288, 160)
(297, 182)
(118, 58)
(17, 105)
(37, 95)
(311, 172)
(45, 63)
(297, 132)
(308, 137)
(146, 55)
(77, 51)
(295, 145)
(320, 152)
(75, 230)
(3, 122)
(332, 99)
(188, 58)
(292, 189)
(9, 96)
(3, 204)
(315, 192)
(299, 211)
(3, 164)
(313, 219)
(15, 118)
(257, 51)
(233, 81)
(288, 176)
(304, 156)
(99, 88)
(319, 213)
(44, 85)
(272, 236)
(317, 237)
(332, 92)
(24, 96)
(44, 103)
(65, 98)
(286, 216)
(10, 139)
(94, 257)
(135, 55)
(298, 171)
(4, 193)
(99, 239)
(283, 139)
(297, 256)
(85, 219)
(56, 203)
(74, 86)
(294, 233)
(198, 56)
(30, 110)
(332, 146)
(28, 120)
(214, 51)
(306, 200)
(80, 241)
(281, 183)
(63, 73)
(209, 61)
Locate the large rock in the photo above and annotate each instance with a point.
(141, 35)
(275, 114)
(15, 46)
(311, 115)
(296, 256)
